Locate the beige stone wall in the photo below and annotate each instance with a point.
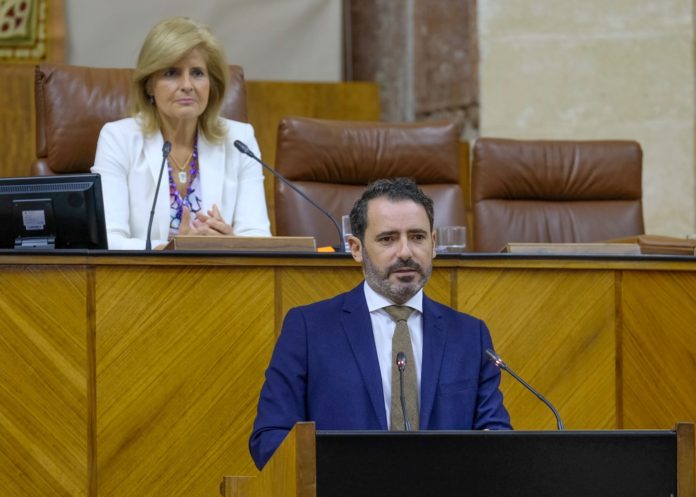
(279, 40)
(599, 69)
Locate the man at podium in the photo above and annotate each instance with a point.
(382, 356)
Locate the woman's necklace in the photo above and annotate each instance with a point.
(177, 201)
(182, 175)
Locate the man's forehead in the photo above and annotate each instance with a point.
(383, 212)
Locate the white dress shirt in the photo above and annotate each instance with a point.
(383, 327)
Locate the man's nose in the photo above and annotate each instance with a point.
(404, 249)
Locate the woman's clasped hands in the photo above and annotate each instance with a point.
(202, 224)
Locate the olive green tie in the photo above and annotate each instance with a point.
(401, 342)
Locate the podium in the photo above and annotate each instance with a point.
(597, 463)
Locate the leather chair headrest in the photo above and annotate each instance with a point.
(333, 161)
(357, 152)
(557, 169)
(555, 191)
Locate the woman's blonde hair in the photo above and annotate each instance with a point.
(167, 43)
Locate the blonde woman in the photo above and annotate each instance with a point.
(177, 94)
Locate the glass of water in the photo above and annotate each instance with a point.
(451, 239)
(345, 231)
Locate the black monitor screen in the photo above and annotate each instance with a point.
(46, 212)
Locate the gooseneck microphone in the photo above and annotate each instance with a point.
(245, 150)
(401, 365)
(495, 358)
(166, 148)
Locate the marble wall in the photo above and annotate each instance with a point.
(595, 70)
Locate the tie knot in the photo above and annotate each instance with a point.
(399, 312)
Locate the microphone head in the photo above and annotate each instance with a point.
(401, 361)
(166, 148)
(241, 146)
(495, 358)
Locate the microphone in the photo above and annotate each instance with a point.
(401, 364)
(495, 358)
(245, 150)
(166, 148)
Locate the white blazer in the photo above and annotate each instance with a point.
(129, 165)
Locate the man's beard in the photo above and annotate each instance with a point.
(398, 292)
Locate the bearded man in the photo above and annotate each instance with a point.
(344, 362)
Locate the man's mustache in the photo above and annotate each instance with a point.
(409, 264)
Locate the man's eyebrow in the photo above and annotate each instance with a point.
(386, 233)
(396, 232)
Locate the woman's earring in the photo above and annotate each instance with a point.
(151, 98)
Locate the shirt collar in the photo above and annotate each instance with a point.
(375, 301)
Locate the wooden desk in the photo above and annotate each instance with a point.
(139, 374)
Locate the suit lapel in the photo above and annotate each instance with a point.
(212, 158)
(357, 326)
(434, 339)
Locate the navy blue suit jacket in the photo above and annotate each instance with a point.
(325, 369)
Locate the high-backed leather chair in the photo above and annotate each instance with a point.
(73, 103)
(333, 161)
(549, 191)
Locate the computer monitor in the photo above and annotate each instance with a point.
(46, 212)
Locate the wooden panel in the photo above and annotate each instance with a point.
(659, 349)
(556, 329)
(307, 285)
(686, 461)
(293, 474)
(176, 346)
(43, 382)
(17, 122)
(180, 358)
(440, 286)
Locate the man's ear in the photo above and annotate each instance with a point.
(434, 236)
(356, 248)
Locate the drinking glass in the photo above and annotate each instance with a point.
(345, 231)
(451, 239)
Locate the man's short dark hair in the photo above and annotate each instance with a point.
(394, 189)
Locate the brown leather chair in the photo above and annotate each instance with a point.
(73, 103)
(548, 191)
(333, 161)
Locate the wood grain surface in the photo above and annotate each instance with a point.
(556, 329)
(17, 120)
(180, 357)
(659, 357)
(126, 376)
(44, 418)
